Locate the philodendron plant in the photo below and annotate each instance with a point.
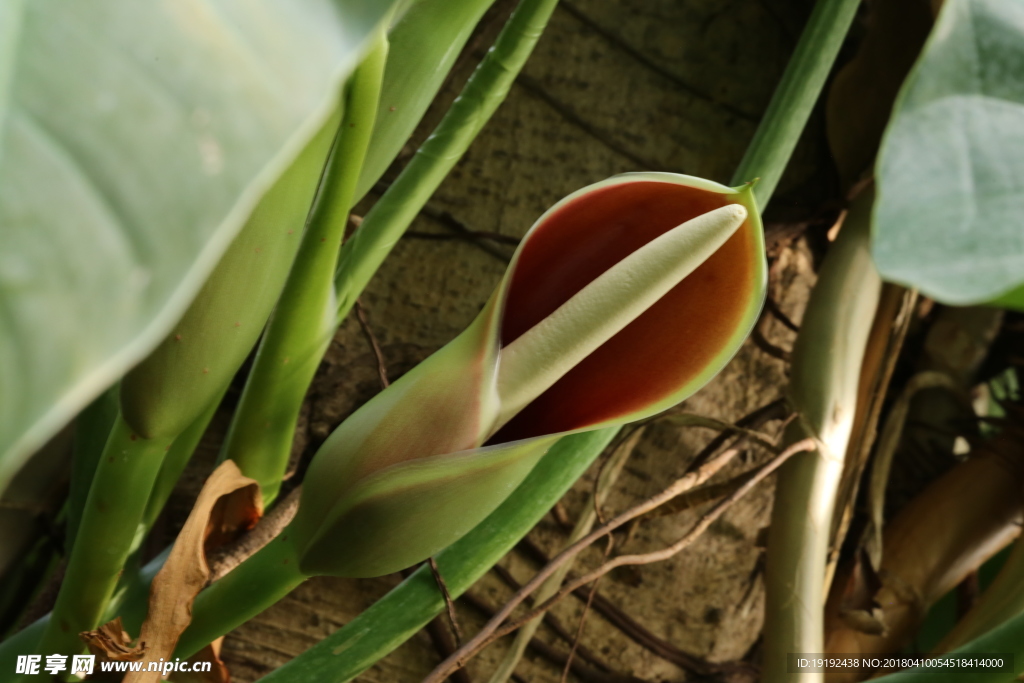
(623, 299)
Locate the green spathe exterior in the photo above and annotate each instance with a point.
(424, 461)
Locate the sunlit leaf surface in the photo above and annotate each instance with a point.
(136, 138)
(951, 173)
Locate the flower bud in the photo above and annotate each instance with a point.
(623, 299)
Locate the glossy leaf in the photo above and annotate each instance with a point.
(137, 138)
(951, 171)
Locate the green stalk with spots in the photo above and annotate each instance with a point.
(165, 393)
(302, 325)
(110, 522)
(177, 459)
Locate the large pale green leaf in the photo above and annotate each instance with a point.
(951, 172)
(136, 139)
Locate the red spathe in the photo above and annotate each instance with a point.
(659, 352)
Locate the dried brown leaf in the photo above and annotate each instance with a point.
(111, 642)
(859, 607)
(945, 533)
(228, 504)
(218, 673)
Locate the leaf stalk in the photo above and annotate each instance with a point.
(260, 437)
(111, 521)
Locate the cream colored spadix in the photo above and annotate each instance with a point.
(539, 357)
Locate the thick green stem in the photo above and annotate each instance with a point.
(825, 372)
(111, 521)
(260, 437)
(250, 588)
(382, 227)
(177, 459)
(92, 427)
(795, 96)
(826, 362)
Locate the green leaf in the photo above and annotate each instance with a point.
(1012, 299)
(136, 139)
(10, 34)
(951, 171)
(1007, 639)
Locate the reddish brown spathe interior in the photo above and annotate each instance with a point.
(663, 349)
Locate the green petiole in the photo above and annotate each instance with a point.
(794, 98)
(385, 223)
(260, 437)
(110, 520)
(177, 459)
